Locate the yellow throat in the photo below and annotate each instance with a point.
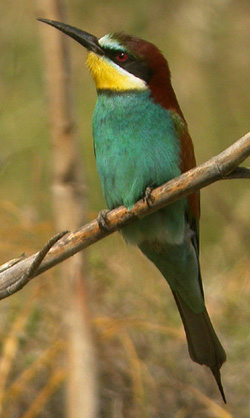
(109, 76)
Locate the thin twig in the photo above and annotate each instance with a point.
(221, 167)
(239, 173)
(31, 270)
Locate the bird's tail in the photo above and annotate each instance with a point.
(203, 344)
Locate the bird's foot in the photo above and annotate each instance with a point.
(102, 220)
(148, 198)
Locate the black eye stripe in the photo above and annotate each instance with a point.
(113, 54)
(133, 65)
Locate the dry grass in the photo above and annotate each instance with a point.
(144, 367)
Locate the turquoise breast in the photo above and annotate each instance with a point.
(136, 146)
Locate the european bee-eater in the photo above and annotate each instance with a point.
(141, 140)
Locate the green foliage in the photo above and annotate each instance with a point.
(144, 366)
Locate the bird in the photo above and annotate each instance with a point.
(141, 140)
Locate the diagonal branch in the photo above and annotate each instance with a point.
(221, 167)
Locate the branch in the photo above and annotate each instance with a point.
(221, 167)
(31, 270)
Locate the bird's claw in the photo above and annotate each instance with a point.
(102, 220)
(148, 198)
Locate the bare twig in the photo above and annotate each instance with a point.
(239, 173)
(221, 167)
(31, 270)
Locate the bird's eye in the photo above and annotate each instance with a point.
(122, 56)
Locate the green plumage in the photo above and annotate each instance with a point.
(137, 145)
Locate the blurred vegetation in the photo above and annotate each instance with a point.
(144, 367)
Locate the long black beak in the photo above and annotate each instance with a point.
(90, 42)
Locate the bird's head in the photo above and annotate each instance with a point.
(120, 62)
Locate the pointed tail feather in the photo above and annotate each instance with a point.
(203, 344)
(217, 376)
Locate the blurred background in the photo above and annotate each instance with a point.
(142, 362)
